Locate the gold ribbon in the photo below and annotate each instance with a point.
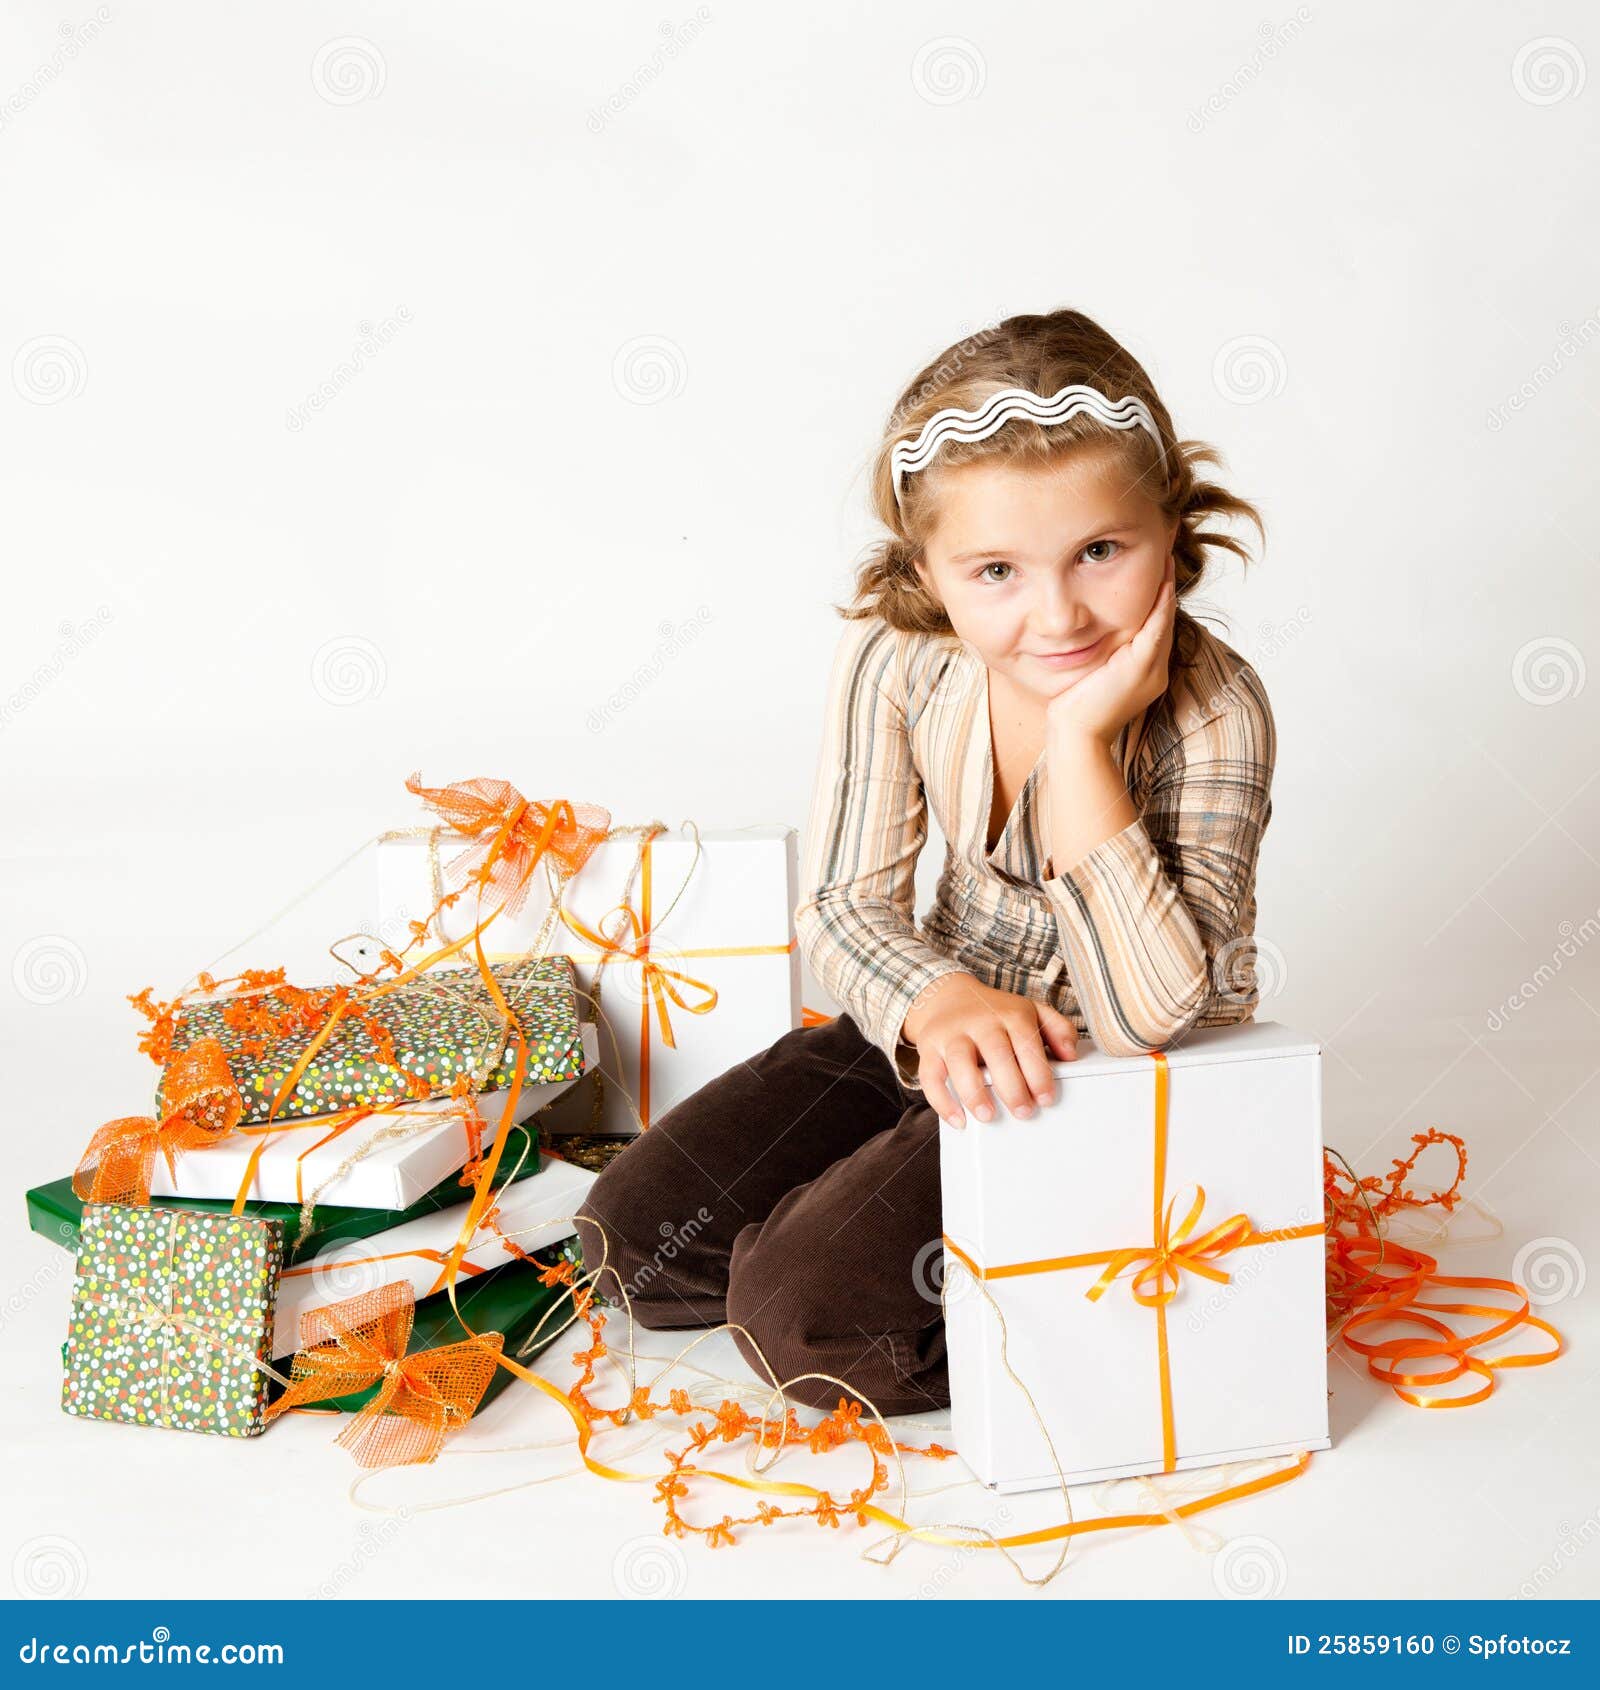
(1171, 1254)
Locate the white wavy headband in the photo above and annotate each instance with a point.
(910, 456)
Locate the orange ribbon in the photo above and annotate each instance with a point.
(1360, 1297)
(512, 833)
(658, 980)
(1156, 1284)
(203, 1105)
(362, 1341)
(1171, 1254)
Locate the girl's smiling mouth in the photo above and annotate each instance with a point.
(1066, 659)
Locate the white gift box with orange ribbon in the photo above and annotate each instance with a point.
(413, 1147)
(1149, 1251)
(701, 968)
(532, 1213)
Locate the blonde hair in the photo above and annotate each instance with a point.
(1041, 354)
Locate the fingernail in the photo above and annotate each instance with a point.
(1024, 1110)
(1043, 1098)
(984, 1112)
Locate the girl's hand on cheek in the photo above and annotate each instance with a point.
(1133, 677)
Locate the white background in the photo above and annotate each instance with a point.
(578, 521)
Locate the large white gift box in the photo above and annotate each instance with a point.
(703, 968)
(1153, 1242)
(299, 1157)
(532, 1212)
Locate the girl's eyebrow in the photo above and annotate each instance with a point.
(1099, 533)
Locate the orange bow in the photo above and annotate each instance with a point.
(512, 833)
(1156, 1283)
(347, 1346)
(656, 980)
(204, 1104)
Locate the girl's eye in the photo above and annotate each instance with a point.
(984, 575)
(1095, 545)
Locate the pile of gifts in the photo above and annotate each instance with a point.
(360, 1197)
(350, 1196)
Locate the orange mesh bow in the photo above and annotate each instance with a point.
(1156, 1283)
(204, 1105)
(512, 833)
(347, 1346)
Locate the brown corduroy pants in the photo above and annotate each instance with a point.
(798, 1196)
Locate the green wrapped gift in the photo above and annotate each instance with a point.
(443, 1024)
(54, 1210)
(172, 1319)
(510, 1300)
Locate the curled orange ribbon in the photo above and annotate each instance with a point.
(347, 1346)
(512, 833)
(204, 1104)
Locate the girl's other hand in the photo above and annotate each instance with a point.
(960, 1026)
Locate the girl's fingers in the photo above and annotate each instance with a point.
(1005, 1074)
(931, 1071)
(1060, 1033)
(968, 1081)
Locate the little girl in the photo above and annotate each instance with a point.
(1100, 764)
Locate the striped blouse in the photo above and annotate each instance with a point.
(1147, 936)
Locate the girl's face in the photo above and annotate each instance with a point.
(1034, 562)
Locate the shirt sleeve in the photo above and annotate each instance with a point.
(856, 923)
(1151, 918)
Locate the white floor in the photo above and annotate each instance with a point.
(1488, 1501)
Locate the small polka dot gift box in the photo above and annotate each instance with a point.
(413, 1042)
(172, 1316)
